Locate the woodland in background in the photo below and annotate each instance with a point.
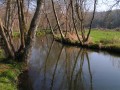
(104, 19)
(109, 19)
(14, 15)
(62, 17)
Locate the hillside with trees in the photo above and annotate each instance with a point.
(109, 19)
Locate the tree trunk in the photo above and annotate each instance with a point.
(57, 21)
(10, 52)
(22, 26)
(48, 20)
(71, 2)
(32, 30)
(80, 15)
(95, 2)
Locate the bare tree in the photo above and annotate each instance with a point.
(48, 19)
(4, 37)
(57, 21)
(32, 29)
(26, 43)
(22, 26)
(95, 2)
(71, 2)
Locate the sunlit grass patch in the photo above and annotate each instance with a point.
(105, 36)
(99, 39)
(9, 71)
(16, 34)
(8, 80)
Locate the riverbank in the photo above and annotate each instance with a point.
(107, 40)
(38, 33)
(9, 72)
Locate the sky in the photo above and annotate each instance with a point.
(104, 5)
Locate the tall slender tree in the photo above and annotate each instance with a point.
(26, 43)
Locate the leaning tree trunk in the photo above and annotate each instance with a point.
(32, 30)
(72, 9)
(57, 21)
(30, 36)
(80, 15)
(22, 26)
(95, 3)
(7, 46)
(48, 21)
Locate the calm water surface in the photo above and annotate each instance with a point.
(53, 66)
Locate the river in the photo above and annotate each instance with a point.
(53, 66)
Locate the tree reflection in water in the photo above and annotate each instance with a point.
(61, 67)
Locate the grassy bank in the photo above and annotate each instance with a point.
(38, 33)
(105, 36)
(9, 72)
(11, 69)
(100, 39)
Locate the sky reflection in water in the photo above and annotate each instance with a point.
(53, 66)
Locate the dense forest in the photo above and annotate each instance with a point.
(103, 19)
(107, 19)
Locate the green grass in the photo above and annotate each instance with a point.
(43, 32)
(107, 39)
(100, 39)
(7, 80)
(38, 33)
(105, 36)
(9, 71)
(16, 34)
